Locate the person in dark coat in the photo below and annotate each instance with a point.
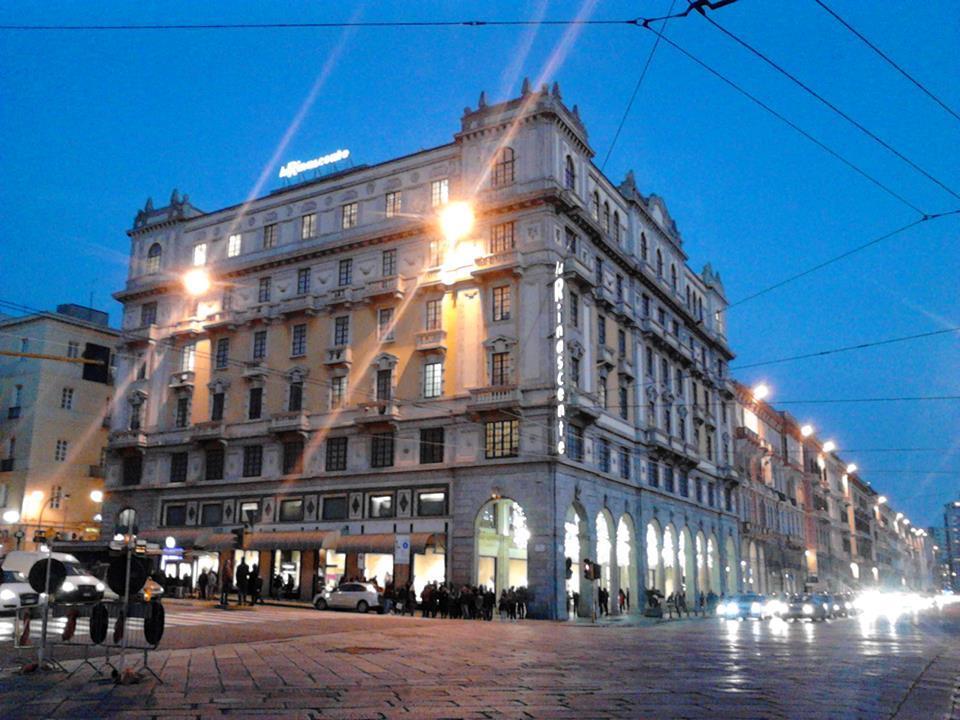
(202, 582)
(243, 574)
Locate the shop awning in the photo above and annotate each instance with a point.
(215, 541)
(285, 540)
(380, 542)
(183, 537)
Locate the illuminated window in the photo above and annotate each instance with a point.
(291, 510)
(200, 254)
(348, 217)
(308, 226)
(502, 238)
(503, 169)
(433, 316)
(432, 379)
(154, 255)
(188, 357)
(233, 245)
(439, 192)
(380, 506)
(501, 303)
(394, 203)
(385, 325)
(432, 503)
(502, 438)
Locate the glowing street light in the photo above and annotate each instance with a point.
(96, 496)
(98, 518)
(851, 468)
(760, 391)
(196, 281)
(456, 220)
(829, 446)
(11, 516)
(807, 430)
(881, 500)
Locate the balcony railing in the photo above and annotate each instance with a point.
(339, 296)
(294, 421)
(605, 356)
(378, 411)
(306, 304)
(494, 396)
(338, 356)
(207, 430)
(503, 260)
(254, 369)
(431, 340)
(388, 287)
(128, 439)
(186, 378)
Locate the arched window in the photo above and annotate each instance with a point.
(659, 264)
(616, 227)
(595, 206)
(673, 276)
(606, 217)
(503, 168)
(153, 258)
(569, 174)
(643, 246)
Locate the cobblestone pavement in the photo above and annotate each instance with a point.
(387, 667)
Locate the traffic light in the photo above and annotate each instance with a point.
(569, 568)
(238, 537)
(591, 570)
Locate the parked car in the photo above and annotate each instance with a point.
(15, 592)
(79, 587)
(747, 605)
(349, 596)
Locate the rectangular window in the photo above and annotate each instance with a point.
(649, 363)
(622, 343)
(303, 281)
(148, 314)
(574, 309)
(381, 450)
(684, 483)
(341, 330)
(646, 305)
(433, 315)
(384, 384)
(293, 457)
(668, 478)
(211, 514)
(653, 474)
(60, 452)
(432, 379)
(255, 404)
(601, 330)
(132, 469)
(259, 344)
(598, 272)
(574, 442)
(624, 462)
(249, 512)
(619, 288)
(431, 504)
(308, 226)
(603, 453)
(380, 506)
(291, 510)
(182, 416)
(394, 203)
(216, 407)
(345, 272)
(623, 397)
(348, 216)
(336, 454)
(335, 508)
(213, 464)
(502, 438)
(338, 391)
(135, 413)
(66, 399)
(222, 355)
(73, 349)
(200, 254)
(388, 263)
(439, 192)
(295, 397)
(188, 357)
(385, 323)
(501, 303)
(233, 245)
(500, 368)
(502, 238)
(252, 460)
(178, 467)
(263, 294)
(176, 515)
(269, 235)
(298, 344)
(431, 445)
(571, 238)
(698, 487)
(710, 495)
(575, 371)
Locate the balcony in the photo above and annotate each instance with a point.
(207, 430)
(578, 268)
(6, 465)
(431, 340)
(340, 296)
(184, 379)
(651, 328)
(222, 320)
(300, 305)
(338, 356)
(494, 397)
(13, 412)
(296, 421)
(254, 369)
(502, 261)
(625, 368)
(579, 403)
(378, 411)
(191, 327)
(264, 312)
(602, 296)
(605, 356)
(96, 471)
(387, 288)
(623, 308)
(128, 439)
(142, 335)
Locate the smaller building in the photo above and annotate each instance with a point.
(56, 386)
(951, 525)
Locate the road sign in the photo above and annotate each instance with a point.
(401, 550)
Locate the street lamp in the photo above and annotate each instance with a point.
(456, 220)
(760, 391)
(829, 446)
(96, 496)
(806, 430)
(851, 468)
(881, 500)
(11, 517)
(196, 281)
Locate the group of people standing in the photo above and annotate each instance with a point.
(466, 602)
(248, 584)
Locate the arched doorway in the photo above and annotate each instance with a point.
(501, 537)
(604, 548)
(626, 559)
(669, 562)
(702, 582)
(576, 542)
(730, 568)
(713, 564)
(688, 566)
(654, 577)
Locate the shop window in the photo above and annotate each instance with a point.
(176, 515)
(380, 506)
(431, 503)
(335, 508)
(291, 510)
(211, 514)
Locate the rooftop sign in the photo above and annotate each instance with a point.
(295, 167)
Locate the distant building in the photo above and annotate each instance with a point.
(951, 524)
(53, 423)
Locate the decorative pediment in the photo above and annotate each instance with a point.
(138, 396)
(384, 361)
(575, 348)
(298, 373)
(500, 343)
(219, 385)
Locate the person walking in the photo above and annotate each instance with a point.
(202, 581)
(252, 581)
(226, 582)
(243, 574)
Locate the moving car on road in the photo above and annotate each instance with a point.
(79, 587)
(15, 592)
(747, 605)
(807, 607)
(349, 596)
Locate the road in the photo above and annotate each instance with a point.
(299, 663)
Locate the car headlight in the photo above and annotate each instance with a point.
(732, 608)
(101, 587)
(7, 595)
(836, 607)
(68, 586)
(848, 605)
(807, 609)
(755, 607)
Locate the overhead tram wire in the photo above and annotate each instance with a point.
(846, 116)
(890, 61)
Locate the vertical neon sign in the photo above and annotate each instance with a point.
(558, 351)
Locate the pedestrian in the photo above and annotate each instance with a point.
(489, 600)
(621, 600)
(252, 581)
(202, 581)
(226, 582)
(288, 587)
(243, 572)
(276, 586)
(411, 603)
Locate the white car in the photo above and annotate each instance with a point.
(15, 592)
(79, 587)
(349, 596)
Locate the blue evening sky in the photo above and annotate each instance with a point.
(93, 123)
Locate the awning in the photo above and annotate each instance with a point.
(285, 540)
(380, 542)
(215, 541)
(183, 537)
